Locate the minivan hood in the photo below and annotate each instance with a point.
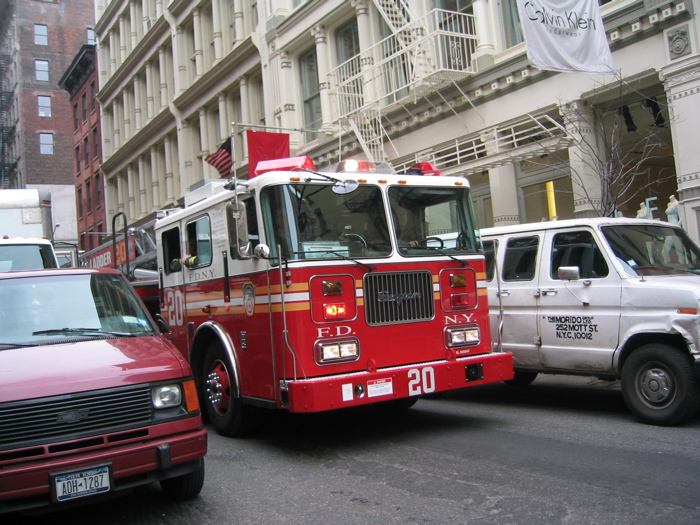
(56, 369)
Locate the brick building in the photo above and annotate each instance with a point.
(38, 41)
(80, 81)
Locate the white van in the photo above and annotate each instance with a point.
(611, 298)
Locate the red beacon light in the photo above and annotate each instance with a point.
(424, 168)
(288, 164)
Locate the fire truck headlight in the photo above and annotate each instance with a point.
(337, 351)
(166, 396)
(463, 336)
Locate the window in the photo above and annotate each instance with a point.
(512, 30)
(199, 241)
(77, 159)
(98, 194)
(41, 35)
(41, 68)
(520, 259)
(46, 143)
(310, 92)
(44, 106)
(171, 250)
(91, 36)
(83, 100)
(578, 249)
(93, 97)
(89, 196)
(76, 122)
(80, 202)
(86, 150)
(95, 143)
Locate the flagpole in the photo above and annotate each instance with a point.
(234, 130)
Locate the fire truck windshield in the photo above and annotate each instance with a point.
(430, 219)
(311, 221)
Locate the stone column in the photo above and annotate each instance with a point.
(322, 62)
(364, 33)
(238, 22)
(153, 188)
(579, 121)
(122, 39)
(143, 183)
(483, 56)
(134, 23)
(127, 114)
(131, 189)
(169, 182)
(150, 102)
(216, 29)
(138, 102)
(113, 50)
(198, 51)
(163, 78)
(681, 80)
(503, 185)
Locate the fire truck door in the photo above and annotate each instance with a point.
(170, 256)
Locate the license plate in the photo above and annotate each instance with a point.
(80, 483)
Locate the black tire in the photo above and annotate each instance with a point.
(184, 487)
(226, 411)
(658, 385)
(521, 379)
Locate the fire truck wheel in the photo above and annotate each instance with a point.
(658, 385)
(229, 415)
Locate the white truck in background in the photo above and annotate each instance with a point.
(26, 230)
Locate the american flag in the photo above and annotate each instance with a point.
(221, 159)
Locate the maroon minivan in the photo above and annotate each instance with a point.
(94, 400)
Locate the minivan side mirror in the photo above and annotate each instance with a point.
(569, 273)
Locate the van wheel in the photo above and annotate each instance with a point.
(658, 385)
(184, 487)
(226, 412)
(521, 379)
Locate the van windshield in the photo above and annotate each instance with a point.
(55, 308)
(653, 250)
(25, 257)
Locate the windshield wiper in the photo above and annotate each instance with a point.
(433, 249)
(85, 331)
(342, 256)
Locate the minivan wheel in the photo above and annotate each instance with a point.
(521, 378)
(658, 385)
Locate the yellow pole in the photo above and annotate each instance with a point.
(551, 203)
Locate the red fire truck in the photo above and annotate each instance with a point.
(312, 291)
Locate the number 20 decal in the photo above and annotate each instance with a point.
(174, 307)
(421, 381)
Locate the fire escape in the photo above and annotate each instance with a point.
(8, 165)
(420, 56)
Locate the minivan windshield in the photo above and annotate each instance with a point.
(52, 308)
(653, 250)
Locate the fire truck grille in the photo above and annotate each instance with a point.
(73, 416)
(400, 297)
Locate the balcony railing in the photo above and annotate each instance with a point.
(436, 49)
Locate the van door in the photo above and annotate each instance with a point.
(517, 258)
(579, 320)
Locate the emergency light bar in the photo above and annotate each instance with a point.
(364, 166)
(424, 168)
(288, 164)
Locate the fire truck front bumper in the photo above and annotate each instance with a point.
(363, 388)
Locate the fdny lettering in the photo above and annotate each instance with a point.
(334, 331)
(201, 275)
(459, 318)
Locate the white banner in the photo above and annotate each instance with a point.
(565, 35)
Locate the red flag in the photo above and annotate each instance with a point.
(221, 159)
(265, 146)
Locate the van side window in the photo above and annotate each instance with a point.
(199, 241)
(490, 254)
(578, 249)
(519, 262)
(171, 249)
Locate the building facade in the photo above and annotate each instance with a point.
(80, 81)
(38, 40)
(441, 81)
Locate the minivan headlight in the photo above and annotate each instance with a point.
(166, 396)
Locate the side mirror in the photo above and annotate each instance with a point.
(262, 251)
(162, 325)
(568, 273)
